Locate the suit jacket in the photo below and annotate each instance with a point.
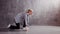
(21, 17)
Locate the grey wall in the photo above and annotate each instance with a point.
(45, 12)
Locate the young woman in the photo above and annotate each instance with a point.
(21, 18)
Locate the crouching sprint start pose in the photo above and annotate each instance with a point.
(21, 18)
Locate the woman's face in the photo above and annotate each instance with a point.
(30, 12)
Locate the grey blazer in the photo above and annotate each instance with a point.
(19, 18)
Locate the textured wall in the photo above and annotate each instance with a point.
(45, 12)
(8, 9)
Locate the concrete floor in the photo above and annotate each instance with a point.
(33, 30)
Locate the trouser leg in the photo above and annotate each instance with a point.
(12, 27)
(24, 24)
(15, 27)
(18, 25)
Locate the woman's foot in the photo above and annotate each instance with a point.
(9, 25)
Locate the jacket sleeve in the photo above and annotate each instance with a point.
(26, 19)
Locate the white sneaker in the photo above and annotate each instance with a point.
(26, 28)
(9, 25)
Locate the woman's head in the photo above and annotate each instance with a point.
(29, 11)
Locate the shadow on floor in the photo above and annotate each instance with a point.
(9, 30)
